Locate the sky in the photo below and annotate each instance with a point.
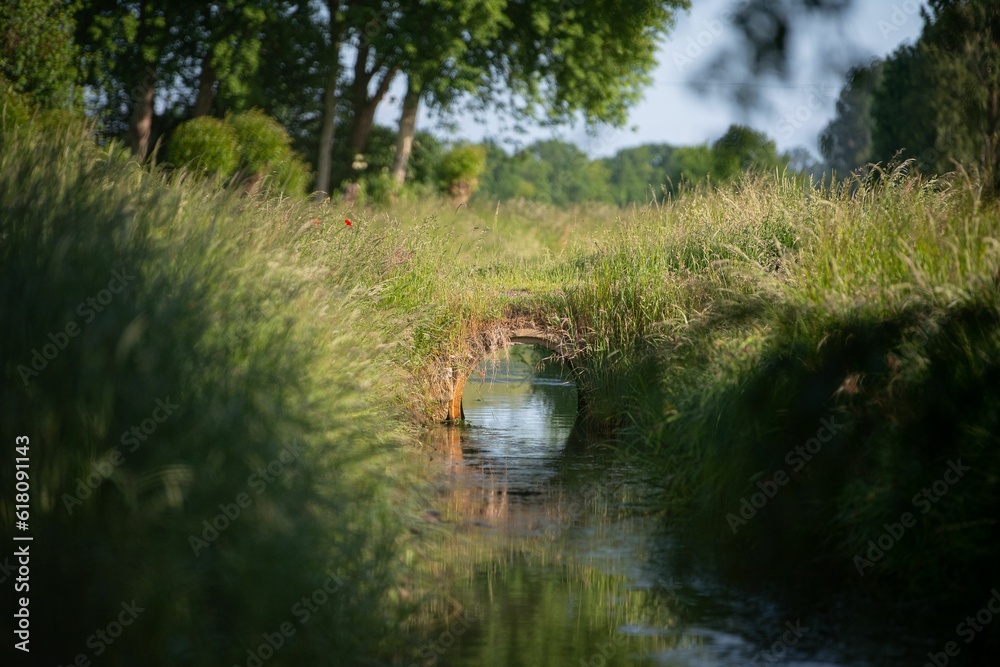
(793, 113)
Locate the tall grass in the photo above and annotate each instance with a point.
(880, 312)
(716, 331)
(277, 428)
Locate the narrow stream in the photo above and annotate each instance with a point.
(560, 559)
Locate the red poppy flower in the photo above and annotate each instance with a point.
(348, 222)
(315, 222)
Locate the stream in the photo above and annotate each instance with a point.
(559, 557)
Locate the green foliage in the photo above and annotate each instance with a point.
(464, 163)
(15, 109)
(249, 144)
(635, 174)
(961, 40)
(742, 148)
(38, 55)
(555, 172)
(378, 188)
(587, 56)
(846, 142)
(206, 145)
(904, 125)
(289, 175)
(691, 164)
(427, 153)
(262, 141)
(273, 412)
(551, 172)
(937, 101)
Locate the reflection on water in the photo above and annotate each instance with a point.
(555, 559)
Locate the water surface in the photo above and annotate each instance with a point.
(558, 557)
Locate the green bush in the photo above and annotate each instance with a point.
(262, 140)
(461, 167)
(251, 146)
(289, 175)
(206, 145)
(14, 107)
(378, 188)
(462, 162)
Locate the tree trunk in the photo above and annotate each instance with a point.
(324, 159)
(206, 87)
(364, 116)
(407, 129)
(140, 124)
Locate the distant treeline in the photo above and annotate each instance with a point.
(936, 102)
(558, 172)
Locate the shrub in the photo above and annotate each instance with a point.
(379, 188)
(262, 140)
(289, 175)
(251, 145)
(206, 145)
(460, 169)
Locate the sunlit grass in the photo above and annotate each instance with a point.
(713, 330)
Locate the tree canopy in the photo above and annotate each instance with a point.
(935, 102)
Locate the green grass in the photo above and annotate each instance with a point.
(714, 332)
(717, 331)
(256, 354)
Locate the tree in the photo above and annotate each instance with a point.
(331, 66)
(436, 37)
(939, 101)
(962, 39)
(179, 54)
(127, 48)
(586, 57)
(636, 174)
(230, 35)
(846, 142)
(802, 161)
(741, 149)
(376, 31)
(549, 171)
(757, 42)
(545, 59)
(288, 82)
(689, 164)
(904, 124)
(37, 53)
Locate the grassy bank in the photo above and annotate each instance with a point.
(834, 349)
(209, 446)
(719, 333)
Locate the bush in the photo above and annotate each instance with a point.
(460, 169)
(250, 145)
(15, 109)
(262, 141)
(206, 145)
(378, 188)
(289, 175)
